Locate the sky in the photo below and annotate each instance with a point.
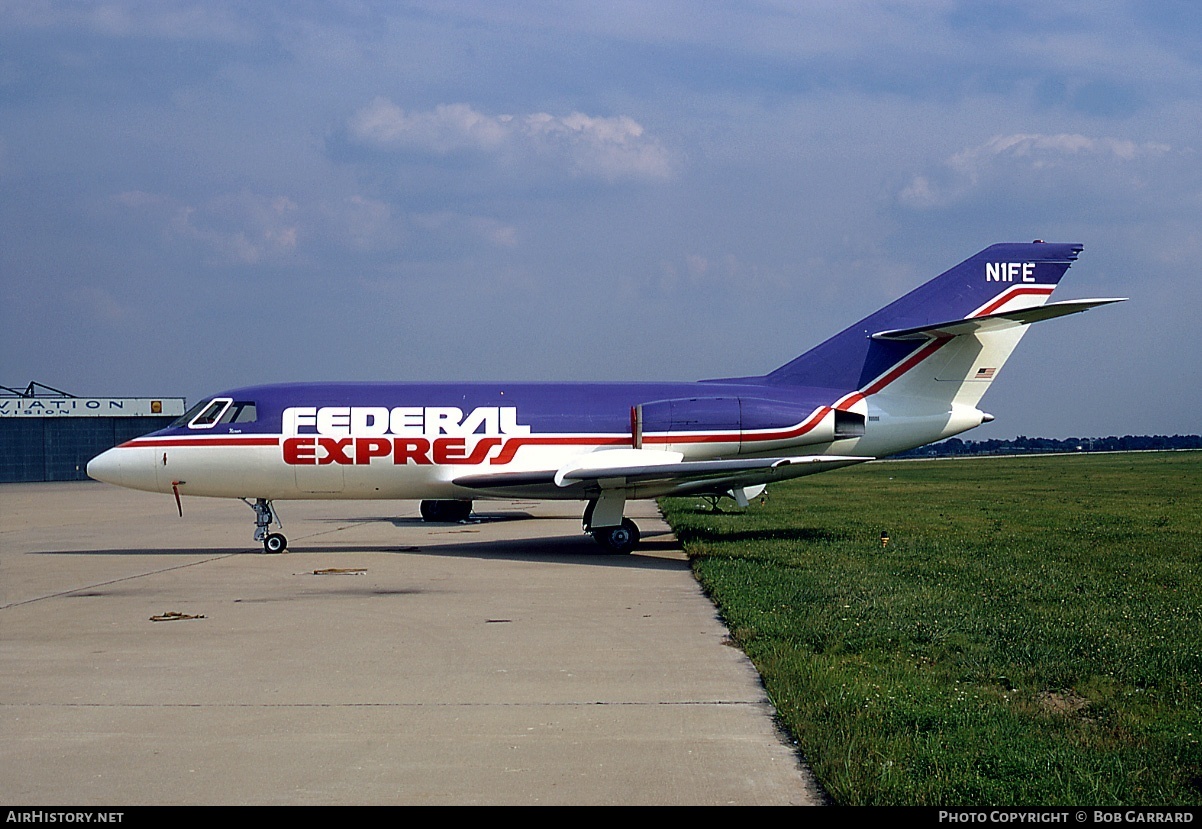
(196, 196)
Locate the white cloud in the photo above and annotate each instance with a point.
(243, 228)
(1032, 158)
(604, 147)
(1040, 151)
(446, 129)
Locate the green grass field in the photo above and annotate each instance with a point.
(1030, 635)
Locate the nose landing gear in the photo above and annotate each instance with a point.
(275, 543)
(265, 516)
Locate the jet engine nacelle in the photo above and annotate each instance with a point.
(749, 424)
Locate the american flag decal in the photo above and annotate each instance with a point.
(985, 373)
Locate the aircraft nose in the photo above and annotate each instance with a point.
(131, 467)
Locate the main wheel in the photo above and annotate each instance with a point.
(449, 511)
(621, 539)
(275, 543)
(457, 510)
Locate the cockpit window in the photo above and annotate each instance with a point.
(240, 411)
(210, 414)
(186, 418)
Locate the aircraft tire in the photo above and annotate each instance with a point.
(445, 511)
(621, 539)
(275, 543)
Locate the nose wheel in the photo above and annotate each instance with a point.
(265, 516)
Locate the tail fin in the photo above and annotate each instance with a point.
(921, 345)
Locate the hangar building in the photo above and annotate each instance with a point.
(50, 435)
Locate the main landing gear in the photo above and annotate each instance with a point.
(621, 539)
(265, 516)
(446, 511)
(621, 535)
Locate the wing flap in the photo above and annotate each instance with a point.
(685, 471)
(506, 480)
(660, 477)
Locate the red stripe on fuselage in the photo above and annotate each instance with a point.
(512, 445)
(914, 359)
(735, 437)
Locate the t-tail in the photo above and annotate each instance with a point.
(938, 348)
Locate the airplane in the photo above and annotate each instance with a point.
(904, 376)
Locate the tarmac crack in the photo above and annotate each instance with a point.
(100, 584)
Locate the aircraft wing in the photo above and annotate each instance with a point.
(994, 322)
(658, 472)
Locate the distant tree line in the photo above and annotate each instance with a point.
(1023, 445)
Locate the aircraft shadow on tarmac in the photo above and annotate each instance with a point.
(414, 521)
(454, 540)
(582, 550)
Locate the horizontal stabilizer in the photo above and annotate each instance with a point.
(994, 322)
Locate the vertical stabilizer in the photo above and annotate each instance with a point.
(1002, 278)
